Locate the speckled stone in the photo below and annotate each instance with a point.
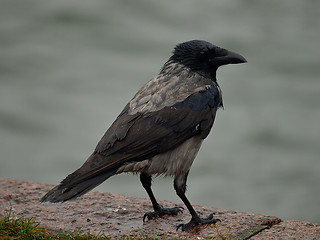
(116, 215)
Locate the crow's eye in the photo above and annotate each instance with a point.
(211, 54)
(202, 56)
(222, 52)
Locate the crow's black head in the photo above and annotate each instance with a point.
(204, 57)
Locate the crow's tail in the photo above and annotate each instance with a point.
(87, 177)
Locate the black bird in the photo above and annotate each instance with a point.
(160, 131)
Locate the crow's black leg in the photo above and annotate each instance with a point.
(180, 187)
(158, 209)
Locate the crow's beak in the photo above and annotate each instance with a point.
(230, 58)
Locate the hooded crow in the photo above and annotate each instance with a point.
(160, 131)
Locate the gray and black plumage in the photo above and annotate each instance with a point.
(160, 131)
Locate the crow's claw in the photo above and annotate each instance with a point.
(199, 221)
(162, 211)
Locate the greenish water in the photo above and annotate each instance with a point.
(67, 68)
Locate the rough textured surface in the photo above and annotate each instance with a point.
(291, 230)
(115, 214)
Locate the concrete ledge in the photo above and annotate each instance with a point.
(116, 215)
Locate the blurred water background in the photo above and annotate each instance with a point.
(68, 67)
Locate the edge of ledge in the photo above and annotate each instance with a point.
(118, 215)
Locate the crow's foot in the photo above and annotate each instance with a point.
(198, 221)
(162, 211)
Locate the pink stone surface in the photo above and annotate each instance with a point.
(117, 215)
(291, 230)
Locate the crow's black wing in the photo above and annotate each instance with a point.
(138, 137)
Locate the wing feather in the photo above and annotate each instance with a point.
(134, 138)
(143, 135)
